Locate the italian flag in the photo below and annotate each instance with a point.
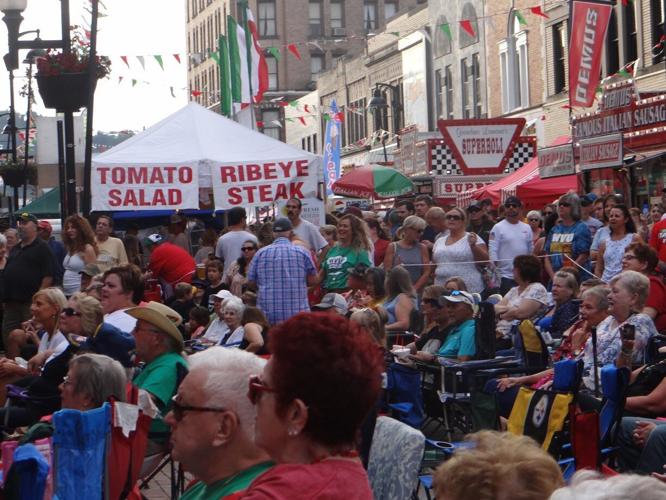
(244, 72)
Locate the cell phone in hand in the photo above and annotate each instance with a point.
(628, 332)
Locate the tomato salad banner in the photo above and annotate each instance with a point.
(144, 187)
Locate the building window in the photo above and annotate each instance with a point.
(267, 21)
(466, 79)
(314, 14)
(357, 126)
(390, 8)
(316, 65)
(370, 15)
(469, 13)
(658, 46)
(630, 36)
(612, 46)
(337, 14)
(272, 64)
(442, 41)
(448, 83)
(476, 86)
(271, 118)
(514, 68)
(559, 55)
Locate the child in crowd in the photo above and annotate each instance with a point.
(199, 319)
(183, 299)
(214, 272)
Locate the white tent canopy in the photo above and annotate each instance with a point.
(181, 152)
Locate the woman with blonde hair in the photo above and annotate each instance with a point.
(400, 299)
(410, 252)
(498, 466)
(371, 321)
(352, 248)
(79, 240)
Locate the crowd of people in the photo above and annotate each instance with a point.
(84, 315)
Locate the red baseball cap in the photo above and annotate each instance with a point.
(44, 224)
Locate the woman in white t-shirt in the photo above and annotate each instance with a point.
(42, 330)
(457, 251)
(528, 300)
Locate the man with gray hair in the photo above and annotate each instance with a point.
(282, 273)
(212, 424)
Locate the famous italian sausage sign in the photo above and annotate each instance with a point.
(257, 184)
(145, 187)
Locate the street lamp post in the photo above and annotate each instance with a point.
(378, 103)
(12, 10)
(30, 60)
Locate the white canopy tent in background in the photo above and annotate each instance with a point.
(174, 162)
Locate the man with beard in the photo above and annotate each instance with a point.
(29, 267)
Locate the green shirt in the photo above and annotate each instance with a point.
(339, 260)
(220, 489)
(159, 378)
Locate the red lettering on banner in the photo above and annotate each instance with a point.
(228, 174)
(185, 175)
(137, 175)
(235, 197)
(269, 171)
(102, 172)
(286, 167)
(114, 198)
(253, 172)
(302, 168)
(295, 190)
(156, 177)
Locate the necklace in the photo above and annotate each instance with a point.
(340, 454)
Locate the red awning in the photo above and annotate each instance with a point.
(538, 192)
(507, 186)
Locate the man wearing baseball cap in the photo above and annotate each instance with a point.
(29, 268)
(333, 302)
(460, 343)
(57, 249)
(282, 272)
(509, 238)
(159, 344)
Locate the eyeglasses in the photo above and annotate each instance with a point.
(68, 311)
(453, 217)
(256, 388)
(247, 249)
(564, 204)
(179, 410)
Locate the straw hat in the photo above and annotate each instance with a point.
(161, 317)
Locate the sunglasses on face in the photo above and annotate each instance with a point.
(256, 388)
(511, 205)
(453, 217)
(248, 249)
(69, 311)
(179, 410)
(534, 220)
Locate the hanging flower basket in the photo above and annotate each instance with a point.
(14, 174)
(66, 91)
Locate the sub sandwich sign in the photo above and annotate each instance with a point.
(144, 187)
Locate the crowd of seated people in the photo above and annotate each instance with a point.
(112, 313)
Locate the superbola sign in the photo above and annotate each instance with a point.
(481, 146)
(642, 121)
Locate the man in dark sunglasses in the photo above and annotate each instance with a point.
(212, 424)
(509, 238)
(479, 222)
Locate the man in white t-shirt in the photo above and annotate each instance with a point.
(508, 239)
(303, 229)
(229, 244)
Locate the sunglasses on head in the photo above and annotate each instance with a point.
(453, 217)
(256, 388)
(179, 410)
(69, 311)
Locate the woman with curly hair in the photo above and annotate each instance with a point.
(79, 240)
(353, 247)
(315, 392)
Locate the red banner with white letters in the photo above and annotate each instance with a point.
(589, 22)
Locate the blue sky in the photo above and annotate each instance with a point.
(131, 28)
